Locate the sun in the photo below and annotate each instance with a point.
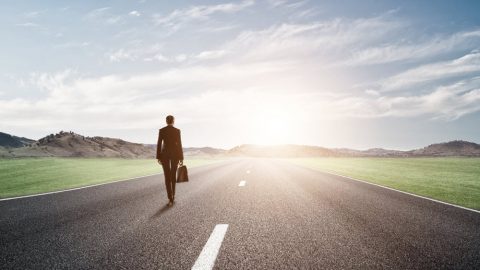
(271, 128)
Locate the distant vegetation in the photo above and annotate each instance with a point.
(24, 176)
(453, 180)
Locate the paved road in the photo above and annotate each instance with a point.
(284, 217)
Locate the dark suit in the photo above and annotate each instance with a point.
(169, 152)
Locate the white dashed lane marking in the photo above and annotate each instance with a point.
(209, 253)
(242, 183)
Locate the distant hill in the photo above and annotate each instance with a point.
(70, 144)
(7, 140)
(280, 151)
(373, 152)
(453, 148)
(203, 151)
(196, 151)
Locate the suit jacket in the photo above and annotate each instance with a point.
(169, 145)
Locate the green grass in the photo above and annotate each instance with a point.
(26, 176)
(453, 180)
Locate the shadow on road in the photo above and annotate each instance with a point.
(160, 211)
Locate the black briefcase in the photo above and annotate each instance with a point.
(182, 174)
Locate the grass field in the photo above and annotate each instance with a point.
(453, 180)
(36, 175)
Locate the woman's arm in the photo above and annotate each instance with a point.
(159, 145)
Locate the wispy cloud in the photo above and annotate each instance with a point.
(28, 24)
(180, 17)
(468, 64)
(447, 102)
(69, 45)
(210, 54)
(292, 61)
(287, 3)
(34, 14)
(402, 51)
(104, 15)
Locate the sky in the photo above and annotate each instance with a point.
(358, 74)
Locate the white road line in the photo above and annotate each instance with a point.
(209, 253)
(248, 171)
(242, 183)
(404, 192)
(71, 189)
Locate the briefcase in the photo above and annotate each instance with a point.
(182, 174)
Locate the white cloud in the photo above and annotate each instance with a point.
(138, 51)
(287, 3)
(394, 51)
(103, 15)
(72, 44)
(205, 55)
(120, 55)
(158, 57)
(286, 65)
(34, 14)
(134, 13)
(466, 65)
(445, 102)
(29, 24)
(179, 17)
(181, 57)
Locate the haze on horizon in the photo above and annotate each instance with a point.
(335, 74)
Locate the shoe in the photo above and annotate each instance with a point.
(170, 203)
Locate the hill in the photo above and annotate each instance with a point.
(452, 148)
(69, 144)
(203, 151)
(287, 150)
(7, 140)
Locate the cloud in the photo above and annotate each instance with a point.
(134, 13)
(285, 66)
(28, 24)
(34, 14)
(399, 51)
(205, 55)
(468, 64)
(103, 15)
(448, 102)
(136, 52)
(329, 41)
(180, 17)
(120, 55)
(73, 44)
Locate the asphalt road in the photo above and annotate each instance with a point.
(284, 217)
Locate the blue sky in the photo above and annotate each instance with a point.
(361, 74)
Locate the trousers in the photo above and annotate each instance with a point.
(170, 173)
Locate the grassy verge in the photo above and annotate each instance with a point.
(36, 175)
(453, 180)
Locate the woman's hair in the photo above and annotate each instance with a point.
(170, 119)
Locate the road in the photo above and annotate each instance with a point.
(282, 217)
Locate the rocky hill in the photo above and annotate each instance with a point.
(69, 144)
(453, 148)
